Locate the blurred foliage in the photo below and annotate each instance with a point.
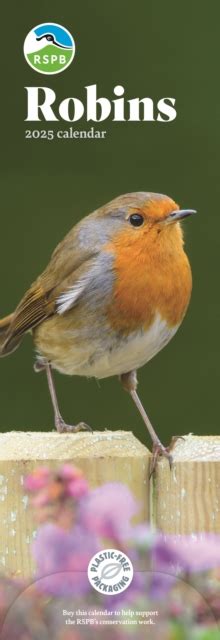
(172, 599)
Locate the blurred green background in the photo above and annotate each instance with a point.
(153, 49)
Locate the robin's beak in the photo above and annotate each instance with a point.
(178, 215)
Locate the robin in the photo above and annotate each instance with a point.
(112, 296)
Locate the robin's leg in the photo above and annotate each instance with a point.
(60, 425)
(129, 383)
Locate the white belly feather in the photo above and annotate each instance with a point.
(131, 353)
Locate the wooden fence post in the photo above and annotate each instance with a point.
(186, 500)
(103, 456)
(183, 500)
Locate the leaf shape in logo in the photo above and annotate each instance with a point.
(111, 570)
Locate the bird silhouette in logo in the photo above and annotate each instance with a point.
(50, 38)
(47, 35)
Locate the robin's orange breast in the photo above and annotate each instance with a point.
(152, 276)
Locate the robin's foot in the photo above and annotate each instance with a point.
(62, 427)
(159, 450)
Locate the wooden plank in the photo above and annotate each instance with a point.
(186, 500)
(103, 456)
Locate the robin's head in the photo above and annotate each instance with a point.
(134, 219)
(143, 215)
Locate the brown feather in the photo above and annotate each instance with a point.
(5, 324)
(39, 303)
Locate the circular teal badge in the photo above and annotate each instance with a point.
(49, 48)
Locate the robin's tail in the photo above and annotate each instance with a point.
(5, 347)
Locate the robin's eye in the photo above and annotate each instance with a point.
(136, 219)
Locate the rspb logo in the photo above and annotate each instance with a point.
(49, 48)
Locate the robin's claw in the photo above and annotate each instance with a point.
(62, 427)
(83, 426)
(174, 440)
(158, 451)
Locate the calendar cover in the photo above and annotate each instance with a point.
(110, 453)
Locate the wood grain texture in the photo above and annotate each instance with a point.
(103, 456)
(186, 500)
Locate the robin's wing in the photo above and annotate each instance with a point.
(72, 268)
(45, 297)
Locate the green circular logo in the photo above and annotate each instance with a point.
(49, 48)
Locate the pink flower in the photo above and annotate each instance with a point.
(49, 486)
(68, 472)
(62, 558)
(107, 511)
(193, 553)
(37, 480)
(77, 488)
(189, 553)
